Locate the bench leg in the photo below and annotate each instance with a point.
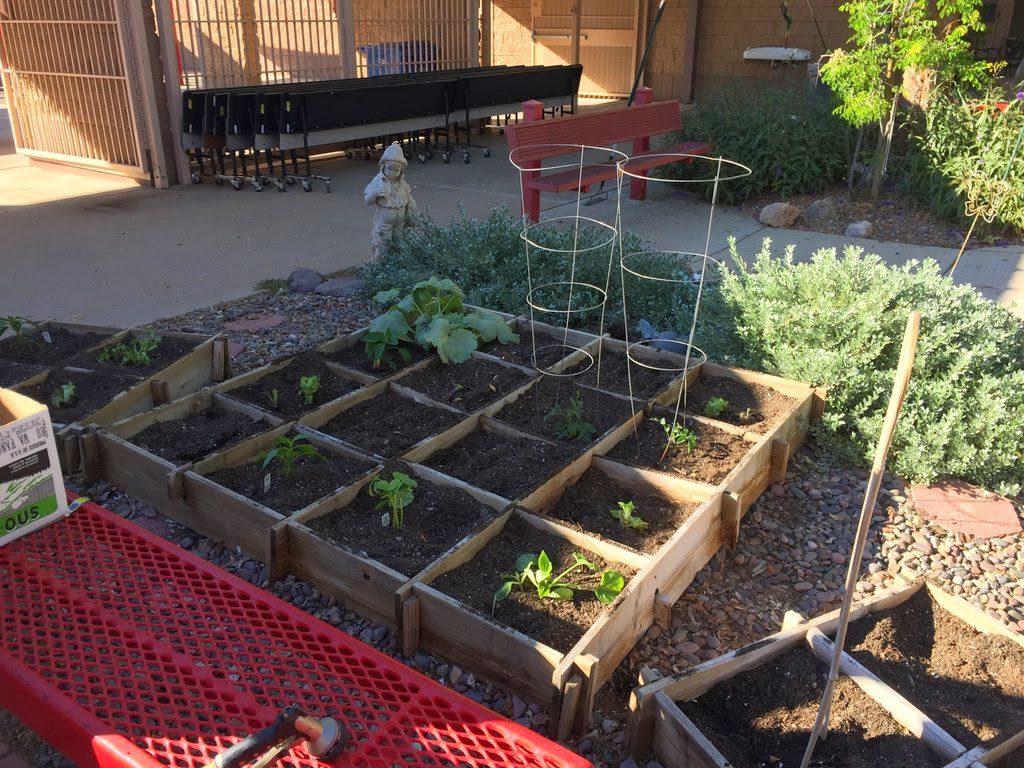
(637, 189)
(531, 204)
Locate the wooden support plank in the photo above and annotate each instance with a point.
(410, 626)
(588, 667)
(905, 713)
(779, 462)
(972, 615)
(92, 460)
(663, 611)
(676, 735)
(160, 391)
(967, 759)
(730, 519)
(570, 703)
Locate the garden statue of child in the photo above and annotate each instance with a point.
(392, 195)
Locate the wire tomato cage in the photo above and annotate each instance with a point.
(678, 278)
(585, 245)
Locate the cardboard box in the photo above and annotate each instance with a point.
(31, 485)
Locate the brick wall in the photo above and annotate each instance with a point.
(511, 21)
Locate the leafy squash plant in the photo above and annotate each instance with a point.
(432, 315)
(536, 574)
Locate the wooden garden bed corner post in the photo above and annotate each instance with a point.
(638, 187)
(899, 389)
(533, 111)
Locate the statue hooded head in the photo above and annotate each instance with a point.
(392, 162)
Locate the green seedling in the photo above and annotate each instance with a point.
(287, 452)
(16, 325)
(627, 516)
(274, 397)
(395, 495)
(746, 414)
(135, 352)
(65, 395)
(308, 387)
(571, 424)
(678, 436)
(716, 406)
(537, 574)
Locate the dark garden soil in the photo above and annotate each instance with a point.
(616, 368)
(93, 390)
(388, 424)
(556, 623)
(767, 406)
(168, 350)
(550, 350)
(356, 357)
(716, 455)
(12, 373)
(764, 718)
(469, 386)
(438, 518)
(971, 684)
(199, 434)
(508, 467)
(290, 400)
(588, 503)
(533, 411)
(63, 345)
(311, 480)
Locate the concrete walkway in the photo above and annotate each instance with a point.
(95, 248)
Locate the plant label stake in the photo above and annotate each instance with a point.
(266, 483)
(385, 520)
(899, 389)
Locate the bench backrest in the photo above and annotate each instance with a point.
(601, 129)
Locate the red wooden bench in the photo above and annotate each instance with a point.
(536, 139)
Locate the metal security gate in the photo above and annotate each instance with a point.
(608, 41)
(68, 85)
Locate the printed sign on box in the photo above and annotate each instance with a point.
(31, 485)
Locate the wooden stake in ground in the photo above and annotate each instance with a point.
(899, 389)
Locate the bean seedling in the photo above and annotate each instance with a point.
(274, 396)
(678, 435)
(65, 395)
(395, 495)
(627, 516)
(537, 574)
(136, 351)
(308, 387)
(746, 414)
(572, 425)
(716, 406)
(287, 452)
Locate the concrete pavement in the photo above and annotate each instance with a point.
(88, 247)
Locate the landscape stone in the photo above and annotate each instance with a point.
(304, 280)
(860, 229)
(779, 214)
(340, 287)
(822, 209)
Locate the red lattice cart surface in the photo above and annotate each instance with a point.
(121, 649)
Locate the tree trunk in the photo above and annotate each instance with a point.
(877, 163)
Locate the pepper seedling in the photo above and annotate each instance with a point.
(572, 425)
(395, 495)
(308, 387)
(16, 325)
(274, 396)
(287, 452)
(678, 435)
(716, 406)
(627, 516)
(536, 573)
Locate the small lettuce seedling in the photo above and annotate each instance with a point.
(536, 573)
(716, 406)
(65, 395)
(287, 452)
(135, 352)
(308, 387)
(626, 515)
(571, 424)
(395, 495)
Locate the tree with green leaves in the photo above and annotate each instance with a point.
(890, 36)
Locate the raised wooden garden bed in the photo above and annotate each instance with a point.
(478, 440)
(52, 344)
(928, 679)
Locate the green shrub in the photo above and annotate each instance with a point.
(959, 151)
(839, 322)
(487, 258)
(785, 135)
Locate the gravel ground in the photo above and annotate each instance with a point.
(791, 555)
(896, 220)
